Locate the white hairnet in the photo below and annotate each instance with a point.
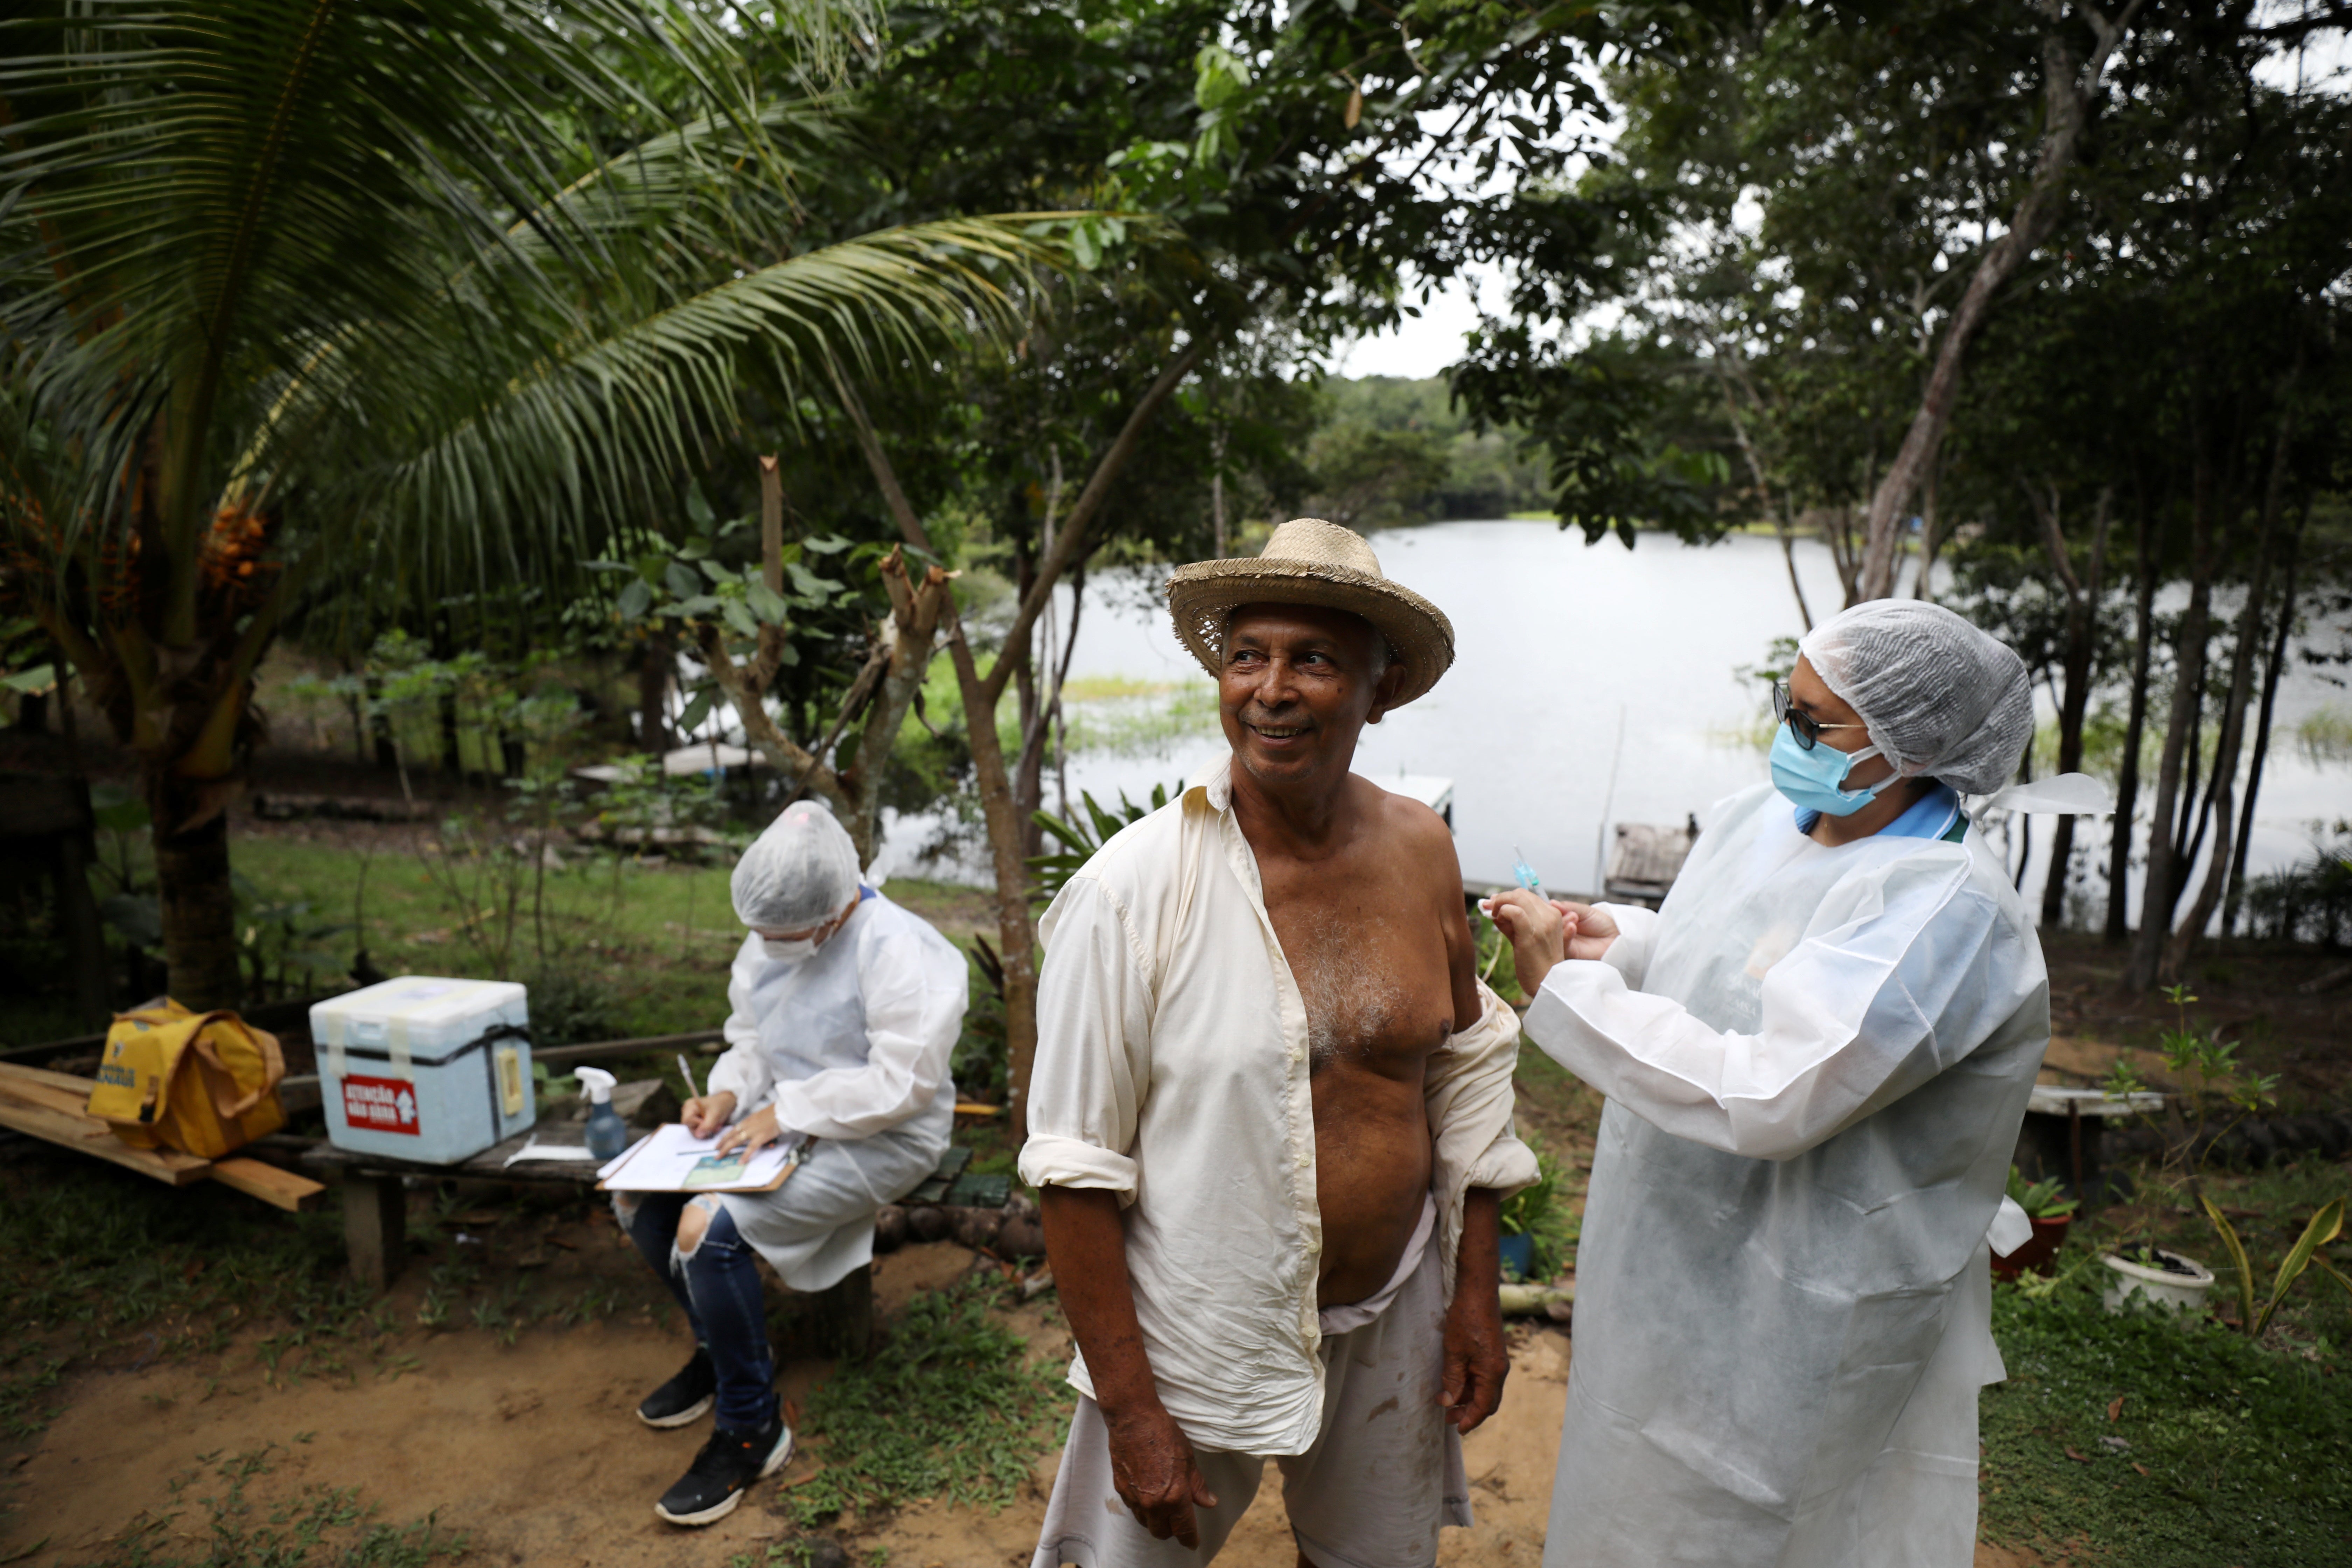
(1940, 697)
(797, 874)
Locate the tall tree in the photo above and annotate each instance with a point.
(301, 298)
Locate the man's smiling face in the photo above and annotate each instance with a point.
(1299, 684)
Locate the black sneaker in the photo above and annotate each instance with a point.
(728, 1465)
(683, 1398)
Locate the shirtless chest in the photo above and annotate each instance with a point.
(1367, 950)
(1366, 941)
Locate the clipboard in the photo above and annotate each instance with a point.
(669, 1160)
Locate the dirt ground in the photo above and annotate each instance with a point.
(530, 1451)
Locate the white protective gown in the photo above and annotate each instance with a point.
(851, 1045)
(1817, 1060)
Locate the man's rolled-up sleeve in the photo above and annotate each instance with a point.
(1469, 1096)
(1093, 1061)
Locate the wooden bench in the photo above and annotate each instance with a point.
(52, 1106)
(376, 1219)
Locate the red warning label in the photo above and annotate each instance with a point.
(379, 1104)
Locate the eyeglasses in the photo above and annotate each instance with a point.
(1807, 729)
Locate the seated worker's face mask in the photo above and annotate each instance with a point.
(1813, 780)
(792, 949)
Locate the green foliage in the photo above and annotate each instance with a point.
(1366, 476)
(2324, 1226)
(2310, 900)
(569, 1005)
(981, 1061)
(1080, 840)
(2042, 1199)
(948, 1407)
(1603, 415)
(2211, 1092)
(1541, 1212)
(2220, 1451)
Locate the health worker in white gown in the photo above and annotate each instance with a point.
(1816, 1055)
(845, 1009)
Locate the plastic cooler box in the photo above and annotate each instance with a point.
(426, 1068)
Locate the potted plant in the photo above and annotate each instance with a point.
(2051, 1213)
(2151, 1273)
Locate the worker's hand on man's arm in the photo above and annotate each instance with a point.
(1546, 932)
(1151, 1462)
(707, 1113)
(1478, 1357)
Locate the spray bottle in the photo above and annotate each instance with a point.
(607, 1134)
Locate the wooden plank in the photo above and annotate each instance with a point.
(16, 1072)
(92, 1137)
(64, 1102)
(255, 1178)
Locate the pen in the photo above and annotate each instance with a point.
(687, 1073)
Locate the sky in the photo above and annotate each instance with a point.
(1423, 345)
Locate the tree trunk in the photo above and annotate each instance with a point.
(2262, 726)
(982, 694)
(1931, 537)
(2234, 717)
(2181, 727)
(2065, 98)
(2135, 733)
(655, 670)
(192, 881)
(2082, 641)
(1016, 946)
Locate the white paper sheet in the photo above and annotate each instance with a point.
(672, 1160)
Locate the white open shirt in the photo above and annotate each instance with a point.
(1171, 1070)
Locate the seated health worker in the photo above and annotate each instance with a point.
(844, 1010)
(1817, 1054)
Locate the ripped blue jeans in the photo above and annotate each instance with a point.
(718, 1283)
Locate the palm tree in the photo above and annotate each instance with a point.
(303, 299)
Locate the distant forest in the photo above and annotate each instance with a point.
(1391, 451)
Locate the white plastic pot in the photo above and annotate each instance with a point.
(2182, 1292)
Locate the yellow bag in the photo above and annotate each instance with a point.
(203, 1083)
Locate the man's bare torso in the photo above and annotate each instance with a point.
(1371, 933)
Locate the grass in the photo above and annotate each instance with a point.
(2150, 1442)
(651, 943)
(324, 1525)
(948, 1407)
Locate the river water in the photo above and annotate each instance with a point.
(1592, 685)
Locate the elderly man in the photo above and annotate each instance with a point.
(1271, 1108)
(845, 1008)
(1816, 1055)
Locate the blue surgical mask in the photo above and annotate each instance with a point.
(1812, 779)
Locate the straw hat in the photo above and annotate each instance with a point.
(1311, 561)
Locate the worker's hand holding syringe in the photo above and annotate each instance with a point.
(1544, 931)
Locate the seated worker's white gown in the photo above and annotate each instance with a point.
(851, 1045)
(1817, 1060)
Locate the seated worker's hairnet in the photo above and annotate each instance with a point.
(797, 874)
(1940, 697)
